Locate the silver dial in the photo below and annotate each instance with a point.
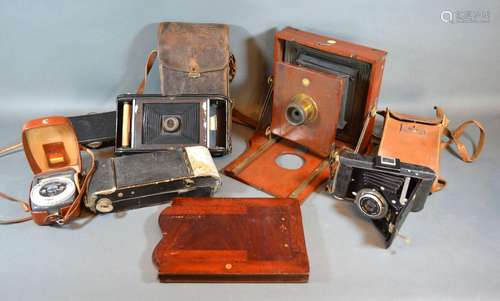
(52, 192)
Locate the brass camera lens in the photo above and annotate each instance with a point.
(302, 109)
(171, 124)
(371, 203)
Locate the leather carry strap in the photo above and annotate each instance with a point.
(5, 151)
(147, 68)
(454, 138)
(72, 211)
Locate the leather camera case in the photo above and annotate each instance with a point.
(194, 58)
(414, 139)
(51, 146)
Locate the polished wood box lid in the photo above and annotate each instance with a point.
(232, 240)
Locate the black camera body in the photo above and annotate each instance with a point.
(383, 189)
(147, 123)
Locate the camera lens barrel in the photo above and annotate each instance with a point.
(302, 109)
(371, 203)
(171, 124)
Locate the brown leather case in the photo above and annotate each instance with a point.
(232, 240)
(54, 136)
(413, 139)
(194, 58)
(417, 140)
(312, 141)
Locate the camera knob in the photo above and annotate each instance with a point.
(371, 203)
(104, 205)
(301, 109)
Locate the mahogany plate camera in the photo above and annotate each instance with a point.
(148, 123)
(325, 91)
(383, 188)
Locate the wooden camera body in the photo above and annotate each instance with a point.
(325, 95)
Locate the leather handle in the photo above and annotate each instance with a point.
(147, 68)
(438, 185)
(454, 138)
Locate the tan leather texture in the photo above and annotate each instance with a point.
(418, 140)
(39, 133)
(194, 58)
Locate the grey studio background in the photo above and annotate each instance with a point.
(74, 57)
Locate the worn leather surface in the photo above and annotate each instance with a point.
(193, 58)
(413, 139)
(54, 129)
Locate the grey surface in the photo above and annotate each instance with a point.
(75, 57)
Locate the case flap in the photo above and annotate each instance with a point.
(193, 48)
(412, 139)
(50, 143)
(414, 118)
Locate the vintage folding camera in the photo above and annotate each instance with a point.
(139, 180)
(325, 91)
(53, 152)
(152, 122)
(95, 130)
(383, 188)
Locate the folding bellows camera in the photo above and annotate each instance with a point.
(383, 188)
(152, 123)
